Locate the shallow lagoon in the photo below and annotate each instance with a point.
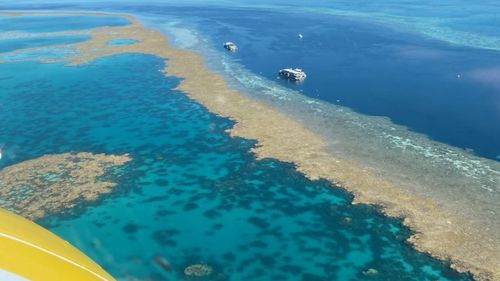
(58, 22)
(125, 41)
(7, 45)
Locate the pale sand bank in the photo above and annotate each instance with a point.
(439, 231)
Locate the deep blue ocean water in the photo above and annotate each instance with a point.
(429, 86)
(192, 193)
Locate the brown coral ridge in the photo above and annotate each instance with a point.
(439, 231)
(54, 183)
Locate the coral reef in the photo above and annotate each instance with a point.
(53, 183)
(198, 270)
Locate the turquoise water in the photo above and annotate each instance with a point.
(126, 41)
(192, 194)
(47, 53)
(54, 23)
(7, 45)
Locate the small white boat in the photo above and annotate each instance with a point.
(301, 36)
(294, 74)
(230, 46)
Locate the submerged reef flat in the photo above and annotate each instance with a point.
(438, 230)
(54, 183)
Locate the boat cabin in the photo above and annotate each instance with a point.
(294, 74)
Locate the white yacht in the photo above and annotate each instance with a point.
(230, 46)
(294, 74)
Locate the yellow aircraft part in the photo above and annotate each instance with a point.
(30, 251)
